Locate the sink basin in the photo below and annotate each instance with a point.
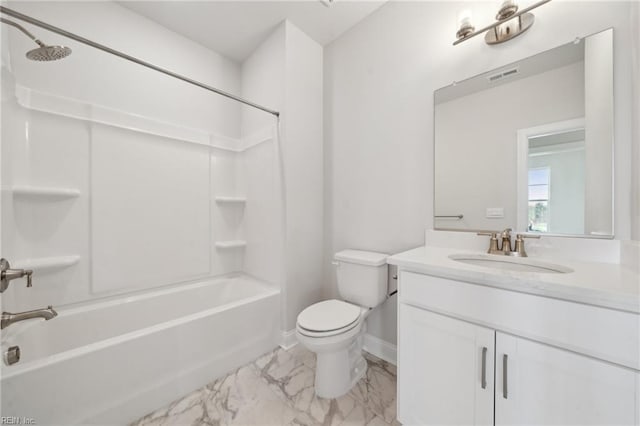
(520, 264)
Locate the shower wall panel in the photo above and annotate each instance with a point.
(150, 210)
(41, 151)
(128, 172)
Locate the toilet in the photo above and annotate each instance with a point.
(334, 329)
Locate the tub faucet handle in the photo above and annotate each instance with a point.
(7, 274)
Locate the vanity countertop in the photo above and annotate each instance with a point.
(606, 285)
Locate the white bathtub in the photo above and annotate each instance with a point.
(114, 361)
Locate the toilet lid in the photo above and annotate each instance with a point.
(328, 315)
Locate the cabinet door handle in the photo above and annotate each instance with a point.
(484, 368)
(505, 389)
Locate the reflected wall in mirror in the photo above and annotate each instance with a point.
(529, 146)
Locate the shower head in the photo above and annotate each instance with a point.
(43, 52)
(48, 53)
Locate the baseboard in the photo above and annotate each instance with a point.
(288, 339)
(372, 344)
(380, 348)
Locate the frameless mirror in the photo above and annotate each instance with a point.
(529, 146)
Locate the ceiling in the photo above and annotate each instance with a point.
(235, 28)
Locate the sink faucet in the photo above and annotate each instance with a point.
(506, 241)
(8, 318)
(505, 249)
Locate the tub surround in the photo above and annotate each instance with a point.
(278, 388)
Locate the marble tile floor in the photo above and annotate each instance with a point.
(277, 389)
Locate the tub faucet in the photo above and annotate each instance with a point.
(8, 318)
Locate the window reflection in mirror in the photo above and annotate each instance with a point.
(556, 186)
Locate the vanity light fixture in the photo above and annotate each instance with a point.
(509, 23)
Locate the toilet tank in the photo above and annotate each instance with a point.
(362, 277)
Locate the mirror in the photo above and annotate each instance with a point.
(529, 146)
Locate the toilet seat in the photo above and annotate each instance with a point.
(328, 318)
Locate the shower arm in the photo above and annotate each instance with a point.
(23, 29)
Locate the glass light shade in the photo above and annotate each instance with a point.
(464, 18)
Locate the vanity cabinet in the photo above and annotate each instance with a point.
(542, 385)
(465, 358)
(441, 368)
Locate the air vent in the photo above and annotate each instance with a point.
(503, 74)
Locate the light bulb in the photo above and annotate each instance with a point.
(464, 18)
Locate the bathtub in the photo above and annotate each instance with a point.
(113, 361)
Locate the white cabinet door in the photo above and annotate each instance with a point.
(440, 370)
(542, 385)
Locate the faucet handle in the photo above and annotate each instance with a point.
(519, 250)
(493, 242)
(7, 274)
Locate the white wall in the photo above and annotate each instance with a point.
(263, 82)
(485, 176)
(302, 124)
(635, 189)
(598, 75)
(379, 83)
(96, 77)
(285, 72)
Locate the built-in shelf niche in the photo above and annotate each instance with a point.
(41, 264)
(231, 244)
(43, 192)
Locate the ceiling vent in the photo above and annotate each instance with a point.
(503, 74)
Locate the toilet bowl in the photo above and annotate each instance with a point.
(334, 329)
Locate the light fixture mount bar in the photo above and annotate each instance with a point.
(500, 22)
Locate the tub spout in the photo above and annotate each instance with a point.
(8, 318)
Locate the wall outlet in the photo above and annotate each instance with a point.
(495, 212)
